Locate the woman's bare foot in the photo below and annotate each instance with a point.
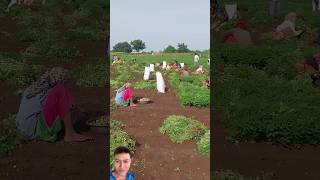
(77, 138)
(133, 105)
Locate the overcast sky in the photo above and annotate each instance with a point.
(160, 23)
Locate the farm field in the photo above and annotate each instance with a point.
(69, 34)
(170, 136)
(265, 122)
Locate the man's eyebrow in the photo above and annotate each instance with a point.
(123, 159)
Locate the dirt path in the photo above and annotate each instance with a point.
(157, 157)
(257, 159)
(60, 160)
(9, 100)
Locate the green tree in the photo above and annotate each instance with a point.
(138, 45)
(122, 47)
(182, 48)
(169, 49)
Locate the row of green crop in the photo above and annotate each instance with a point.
(230, 175)
(85, 20)
(274, 58)
(263, 107)
(9, 136)
(256, 88)
(17, 73)
(121, 74)
(93, 74)
(180, 129)
(118, 137)
(42, 50)
(146, 59)
(190, 90)
(20, 74)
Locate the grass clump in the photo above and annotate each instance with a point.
(190, 90)
(9, 136)
(260, 107)
(145, 85)
(192, 95)
(18, 74)
(203, 145)
(118, 137)
(181, 128)
(50, 50)
(91, 75)
(229, 175)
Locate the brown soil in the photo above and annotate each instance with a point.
(157, 157)
(13, 46)
(9, 25)
(89, 48)
(9, 100)
(263, 159)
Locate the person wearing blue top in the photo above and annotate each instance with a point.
(122, 163)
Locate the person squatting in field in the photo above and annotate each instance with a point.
(287, 28)
(184, 72)
(124, 96)
(122, 163)
(239, 34)
(199, 70)
(116, 60)
(45, 109)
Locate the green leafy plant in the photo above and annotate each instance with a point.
(17, 73)
(229, 175)
(9, 136)
(91, 75)
(116, 125)
(203, 145)
(85, 33)
(191, 95)
(113, 105)
(180, 128)
(48, 49)
(119, 138)
(261, 107)
(115, 84)
(34, 34)
(190, 90)
(145, 85)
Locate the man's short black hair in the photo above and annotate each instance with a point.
(122, 149)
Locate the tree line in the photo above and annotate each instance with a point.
(138, 45)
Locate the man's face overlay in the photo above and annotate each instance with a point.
(122, 164)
